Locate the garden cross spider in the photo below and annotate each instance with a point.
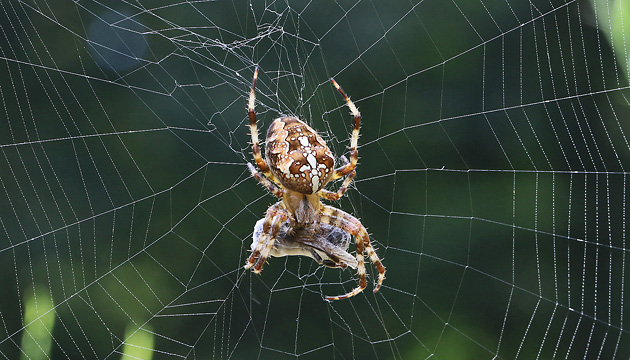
(297, 166)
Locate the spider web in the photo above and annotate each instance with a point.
(491, 178)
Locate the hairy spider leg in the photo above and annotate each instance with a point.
(272, 187)
(354, 139)
(253, 128)
(352, 225)
(276, 215)
(331, 195)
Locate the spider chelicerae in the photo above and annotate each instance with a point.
(297, 166)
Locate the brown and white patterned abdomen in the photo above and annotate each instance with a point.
(298, 156)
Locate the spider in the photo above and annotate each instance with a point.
(297, 166)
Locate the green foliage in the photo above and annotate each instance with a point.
(613, 18)
(39, 320)
(139, 344)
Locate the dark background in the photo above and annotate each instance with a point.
(492, 177)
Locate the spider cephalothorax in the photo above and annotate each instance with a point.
(297, 166)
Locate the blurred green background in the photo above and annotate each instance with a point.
(492, 178)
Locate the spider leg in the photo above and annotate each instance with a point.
(352, 225)
(253, 127)
(276, 215)
(271, 186)
(354, 139)
(330, 195)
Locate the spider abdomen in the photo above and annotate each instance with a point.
(298, 156)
